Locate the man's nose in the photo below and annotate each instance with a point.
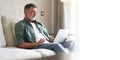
(33, 13)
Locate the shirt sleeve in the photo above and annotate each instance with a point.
(19, 31)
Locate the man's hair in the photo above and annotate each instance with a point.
(28, 6)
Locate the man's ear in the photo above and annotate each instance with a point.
(26, 12)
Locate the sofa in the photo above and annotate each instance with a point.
(8, 49)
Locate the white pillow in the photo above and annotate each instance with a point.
(2, 37)
(7, 28)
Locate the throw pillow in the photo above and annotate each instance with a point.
(7, 23)
(2, 37)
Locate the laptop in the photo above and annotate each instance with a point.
(61, 35)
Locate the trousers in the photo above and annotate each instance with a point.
(56, 47)
(59, 47)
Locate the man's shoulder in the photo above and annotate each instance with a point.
(38, 22)
(21, 22)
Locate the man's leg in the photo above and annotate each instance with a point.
(71, 45)
(58, 48)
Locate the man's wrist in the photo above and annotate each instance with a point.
(35, 44)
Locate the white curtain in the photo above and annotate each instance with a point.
(69, 16)
(66, 15)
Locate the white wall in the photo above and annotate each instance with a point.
(14, 9)
(99, 29)
(45, 6)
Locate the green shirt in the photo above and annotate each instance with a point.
(25, 32)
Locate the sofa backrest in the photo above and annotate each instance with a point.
(8, 29)
(2, 37)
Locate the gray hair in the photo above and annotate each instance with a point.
(28, 6)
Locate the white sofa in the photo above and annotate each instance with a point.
(8, 49)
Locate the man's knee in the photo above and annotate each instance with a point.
(70, 41)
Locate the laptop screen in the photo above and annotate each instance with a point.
(61, 35)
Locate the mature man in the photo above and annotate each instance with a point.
(31, 34)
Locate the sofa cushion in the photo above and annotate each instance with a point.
(45, 52)
(6, 23)
(2, 37)
(13, 30)
(18, 54)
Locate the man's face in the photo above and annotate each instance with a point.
(31, 13)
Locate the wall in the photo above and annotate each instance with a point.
(13, 9)
(45, 6)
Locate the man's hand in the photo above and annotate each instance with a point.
(65, 39)
(52, 39)
(41, 41)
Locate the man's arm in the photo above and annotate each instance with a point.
(28, 45)
(19, 31)
(31, 45)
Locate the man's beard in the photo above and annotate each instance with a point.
(32, 18)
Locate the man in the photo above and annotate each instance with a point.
(31, 34)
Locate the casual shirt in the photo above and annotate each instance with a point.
(38, 35)
(25, 32)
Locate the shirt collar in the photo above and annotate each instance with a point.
(28, 20)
